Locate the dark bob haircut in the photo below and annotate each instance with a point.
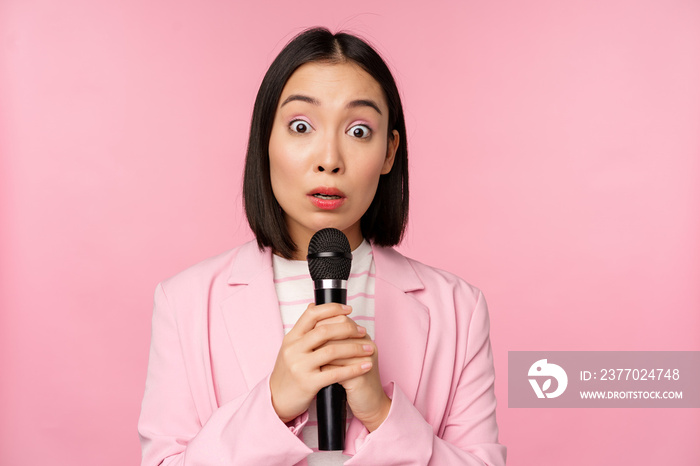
(385, 221)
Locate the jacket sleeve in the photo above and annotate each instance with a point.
(245, 430)
(470, 434)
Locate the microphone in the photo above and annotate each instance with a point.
(329, 260)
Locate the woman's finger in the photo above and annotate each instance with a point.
(315, 313)
(322, 334)
(338, 374)
(342, 351)
(333, 320)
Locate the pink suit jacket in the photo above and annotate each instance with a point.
(215, 337)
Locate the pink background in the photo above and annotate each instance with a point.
(555, 159)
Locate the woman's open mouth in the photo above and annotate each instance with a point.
(326, 198)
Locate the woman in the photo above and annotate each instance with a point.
(237, 355)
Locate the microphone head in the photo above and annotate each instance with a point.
(329, 256)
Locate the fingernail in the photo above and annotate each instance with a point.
(366, 365)
(361, 329)
(346, 307)
(367, 348)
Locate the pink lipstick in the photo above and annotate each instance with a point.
(326, 198)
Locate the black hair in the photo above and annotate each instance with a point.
(385, 221)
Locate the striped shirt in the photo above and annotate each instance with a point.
(295, 292)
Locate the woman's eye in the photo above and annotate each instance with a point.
(300, 126)
(359, 131)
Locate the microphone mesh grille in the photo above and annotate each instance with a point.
(333, 268)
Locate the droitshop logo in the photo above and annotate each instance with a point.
(544, 371)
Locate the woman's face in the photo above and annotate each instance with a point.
(328, 147)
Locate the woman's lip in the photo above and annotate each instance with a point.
(327, 191)
(326, 204)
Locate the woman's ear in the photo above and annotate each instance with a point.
(391, 147)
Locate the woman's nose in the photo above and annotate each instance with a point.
(330, 158)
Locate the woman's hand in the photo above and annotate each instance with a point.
(365, 394)
(297, 375)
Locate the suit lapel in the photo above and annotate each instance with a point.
(401, 326)
(251, 313)
(401, 321)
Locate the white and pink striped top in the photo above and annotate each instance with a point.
(295, 292)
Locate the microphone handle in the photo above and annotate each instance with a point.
(331, 295)
(331, 400)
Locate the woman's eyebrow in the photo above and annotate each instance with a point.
(311, 100)
(364, 103)
(300, 97)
